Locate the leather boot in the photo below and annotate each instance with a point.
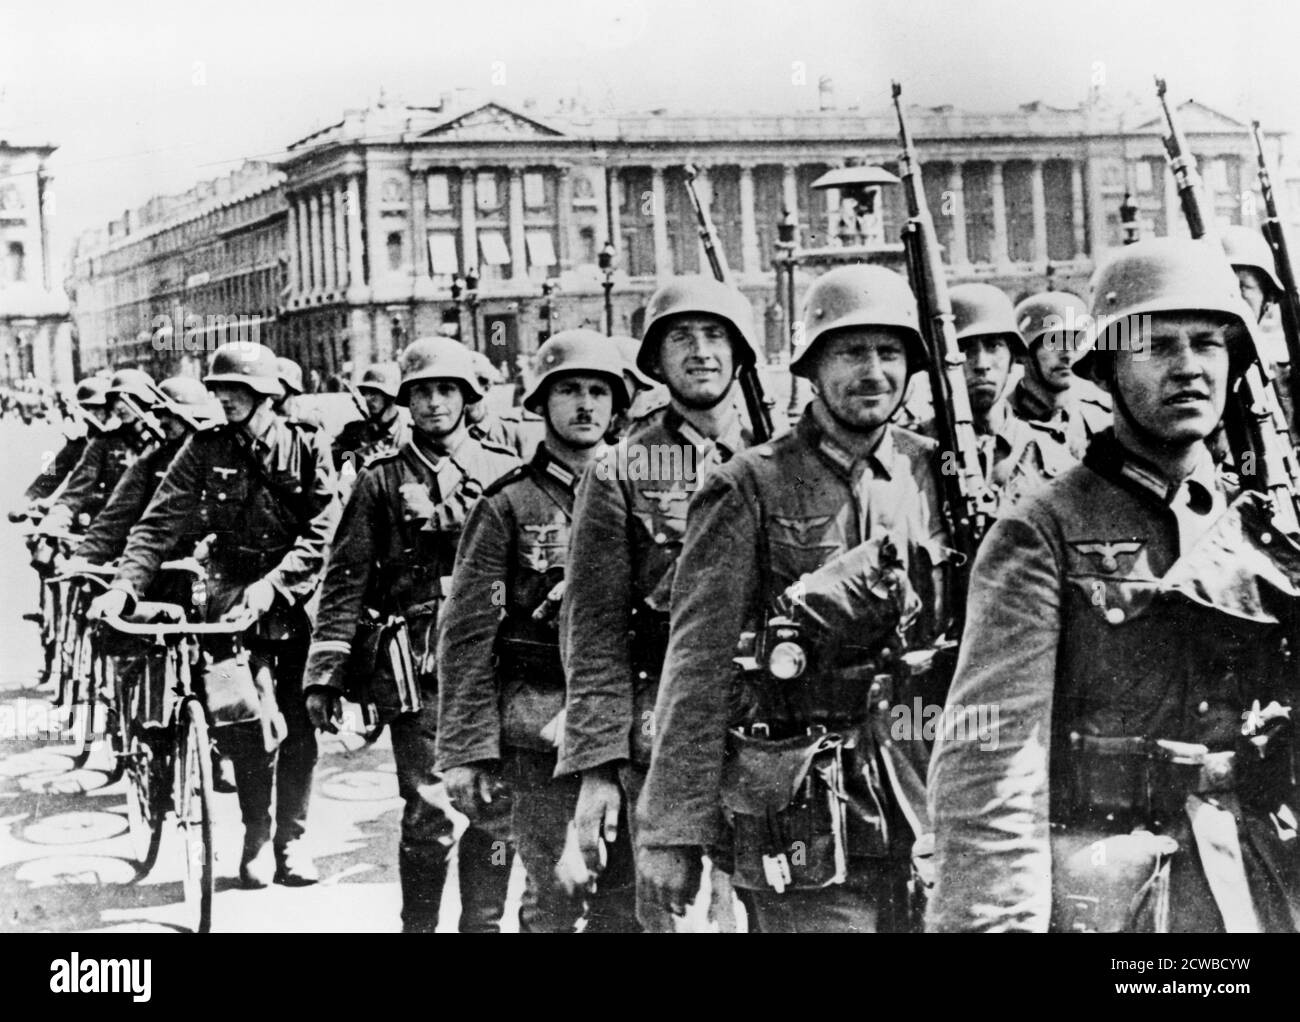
(423, 873)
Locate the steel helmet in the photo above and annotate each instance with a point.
(92, 392)
(1248, 250)
(290, 374)
(1160, 275)
(385, 377)
(705, 296)
(1052, 315)
(628, 349)
(579, 351)
(135, 384)
(190, 401)
(859, 296)
(488, 374)
(439, 358)
(248, 364)
(982, 310)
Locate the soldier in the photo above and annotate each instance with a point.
(1252, 261)
(1051, 326)
(395, 546)
(518, 429)
(1017, 456)
(383, 428)
(92, 404)
(501, 682)
(865, 508)
(131, 394)
(290, 376)
(1143, 710)
(628, 520)
(263, 488)
(648, 397)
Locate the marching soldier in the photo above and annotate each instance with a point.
(519, 430)
(648, 396)
(395, 546)
(290, 376)
(1017, 456)
(1051, 326)
(501, 682)
(628, 520)
(383, 428)
(131, 394)
(831, 556)
(264, 489)
(1128, 624)
(92, 404)
(1252, 261)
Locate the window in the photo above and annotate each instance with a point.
(588, 238)
(1216, 173)
(541, 252)
(442, 254)
(493, 246)
(534, 190)
(1145, 180)
(395, 250)
(439, 191)
(17, 262)
(485, 190)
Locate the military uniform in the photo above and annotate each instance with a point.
(1080, 630)
(51, 477)
(106, 537)
(500, 678)
(384, 558)
(271, 523)
(751, 535)
(516, 430)
(103, 461)
(1074, 423)
(364, 437)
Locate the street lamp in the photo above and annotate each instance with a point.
(787, 240)
(547, 312)
(1128, 218)
(471, 296)
(606, 262)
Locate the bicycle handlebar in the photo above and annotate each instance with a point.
(241, 624)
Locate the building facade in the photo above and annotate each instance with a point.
(353, 245)
(35, 331)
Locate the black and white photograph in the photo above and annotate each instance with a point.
(644, 466)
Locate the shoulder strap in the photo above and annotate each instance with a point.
(277, 492)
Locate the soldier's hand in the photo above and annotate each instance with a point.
(416, 501)
(469, 788)
(596, 816)
(257, 600)
(669, 877)
(109, 603)
(323, 709)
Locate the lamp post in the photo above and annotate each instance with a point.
(471, 296)
(1128, 218)
(457, 296)
(606, 262)
(547, 311)
(787, 240)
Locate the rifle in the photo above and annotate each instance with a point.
(1266, 460)
(357, 399)
(968, 504)
(751, 387)
(1289, 300)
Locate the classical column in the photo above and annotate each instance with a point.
(663, 254)
(328, 265)
(518, 251)
(790, 190)
(295, 274)
(958, 254)
(565, 227)
(356, 255)
(419, 225)
(1039, 209)
(304, 250)
(1076, 216)
(340, 237)
(999, 217)
(468, 221)
(611, 204)
(750, 259)
(314, 225)
(1098, 233)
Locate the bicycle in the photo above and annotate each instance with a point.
(169, 735)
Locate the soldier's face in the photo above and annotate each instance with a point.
(1177, 389)
(696, 361)
(172, 427)
(100, 413)
(988, 364)
(1252, 289)
(376, 401)
(579, 409)
(437, 407)
(1050, 364)
(236, 401)
(861, 376)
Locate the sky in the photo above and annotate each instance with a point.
(146, 98)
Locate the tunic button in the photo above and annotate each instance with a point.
(642, 675)
(1203, 708)
(660, 537)
(221, 496)
(1115, 616)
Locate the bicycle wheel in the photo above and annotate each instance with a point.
(115, 711)
(194, 811)
(85, 699)
(146, 802)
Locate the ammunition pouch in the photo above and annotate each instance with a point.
(532, 691)
(238, 690)
(785, 801)
(1110, 883)
(380, 672)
